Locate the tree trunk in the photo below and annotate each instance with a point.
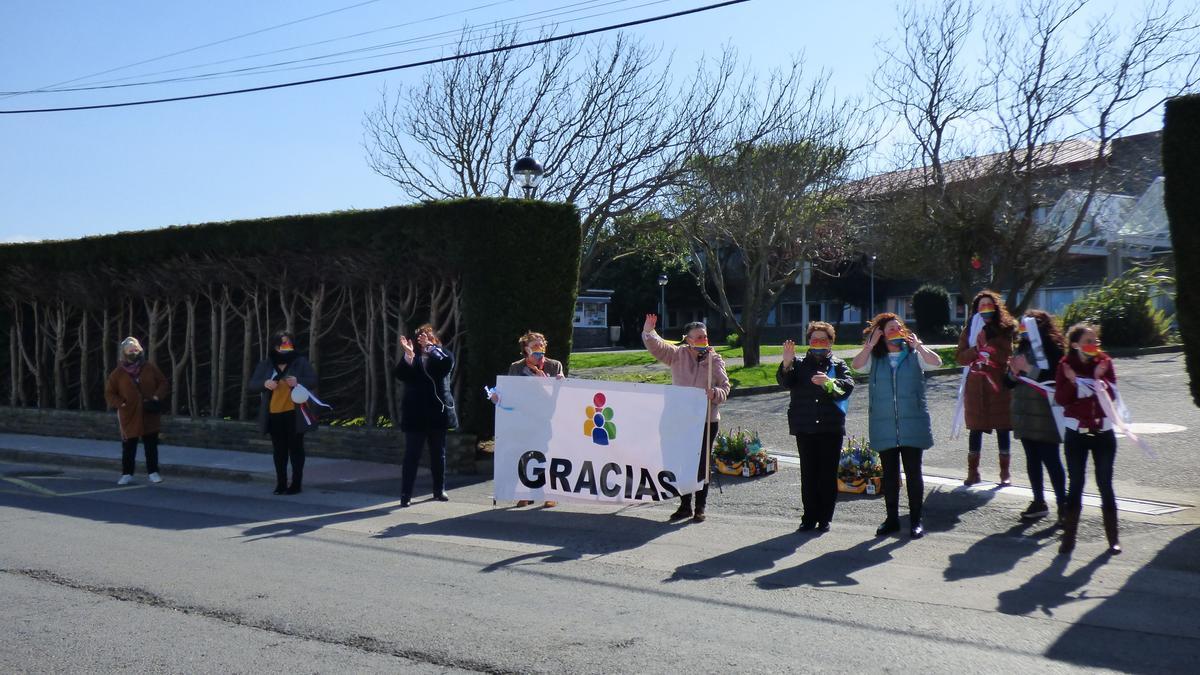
(219, 357)
(751, 339)
(247, 355)
(14, 371)
(189, 346)
(85, 382)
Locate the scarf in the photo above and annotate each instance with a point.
(533, 368)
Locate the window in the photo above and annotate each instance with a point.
(793, 313)
(1057, 299)
(591, 314)
(901, 307)
(959, 311)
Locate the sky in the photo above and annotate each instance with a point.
(72, 174)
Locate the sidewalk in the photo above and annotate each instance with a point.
(188, 461)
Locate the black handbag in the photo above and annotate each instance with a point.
(152, 406)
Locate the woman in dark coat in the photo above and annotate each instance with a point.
(427, 410)
(1032, 418)
(135, 389)
(820, 383)
(275, 377)
(986, 400)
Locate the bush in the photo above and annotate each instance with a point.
(1181, 146)
(1124, 309)
(931, 308)
(733, 340)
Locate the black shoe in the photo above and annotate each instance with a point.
(681, 513)
(293, 490)
(823, 526)
(280, 489)
(404, 502)
(1035, 511)
(916, 531)
(442, 497)
(806, 525)
(699, 517)
(889, 526)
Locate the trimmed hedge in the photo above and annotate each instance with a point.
(931, 307)
(517, 262)
(1181, 167)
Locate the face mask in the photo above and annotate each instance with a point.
(700, 345)
(898, 341)
(1090, 351)
(537, 356)
(818, 352)
(987, 314)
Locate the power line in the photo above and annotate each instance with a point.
(405, 66)
(204, 46)
(278, 66)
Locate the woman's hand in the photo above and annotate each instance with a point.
(913, 341)
(407, 345)
(560, 376)
(1102, 369)
(712, 394)
(820, 379)
(1018, 364)
(651, 322)
(270, 385)
(494, 398)
(789, 352)
(291, 381)
(1068, 373)
(873, 338)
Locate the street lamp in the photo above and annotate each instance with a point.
(872, 289)
(805, 280)
(529, 173)
(662, 298)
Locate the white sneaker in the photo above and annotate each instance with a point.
(155, 478)
(126, 479)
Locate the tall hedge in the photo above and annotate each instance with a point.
(516, 263)
(1181, 167)
(931, 306)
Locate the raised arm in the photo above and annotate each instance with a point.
(864, 355)
(657, 347)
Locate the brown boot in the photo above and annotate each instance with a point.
(1005, 476)
(972, 469)
(1110, 530)
(1070, 527)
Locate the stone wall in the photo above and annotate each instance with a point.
(376, 445)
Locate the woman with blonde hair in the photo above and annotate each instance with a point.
(135, 389)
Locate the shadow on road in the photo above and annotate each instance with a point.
(999, 552)
(573, 535)
(944, 508)
(749, 559)
(1150, 625)
(834, 568)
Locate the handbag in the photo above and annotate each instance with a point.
(152, 406)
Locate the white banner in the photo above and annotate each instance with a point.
(596, 441)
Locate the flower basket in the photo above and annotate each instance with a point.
(740, 453)
(729, 468)
(859, 470)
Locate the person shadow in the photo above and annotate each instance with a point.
(1050, 589)
(296, 527)
(944, 509)
(997, 553)
(746, 560)
(834, 568)
(571, 535)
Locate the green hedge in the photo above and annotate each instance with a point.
(1181, 166)
(518, 262)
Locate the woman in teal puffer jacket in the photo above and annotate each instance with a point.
(899, 428)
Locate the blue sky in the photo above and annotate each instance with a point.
(65, 175)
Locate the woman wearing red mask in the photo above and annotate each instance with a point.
(986, 400)
(1085, 374)
(534, 364)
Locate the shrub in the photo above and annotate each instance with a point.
(931, 308)
(1181, 146)
(733, 340)
(1124, 309)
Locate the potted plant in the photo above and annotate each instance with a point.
(859, 469)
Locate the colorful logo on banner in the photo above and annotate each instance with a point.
(599, 423)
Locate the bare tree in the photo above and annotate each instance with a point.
(606, 122)
(988, 151)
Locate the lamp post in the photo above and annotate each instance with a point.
(662, 298)
(805, 279)
(529, 173)
(872, 313)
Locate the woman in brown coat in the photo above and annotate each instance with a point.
(985, 398)
(135, 389)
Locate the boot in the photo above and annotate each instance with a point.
(1005, 476)
(1110, 530)
(297, 485)
(972, 469)
(1070, 527)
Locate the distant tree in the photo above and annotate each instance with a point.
(1181, 147)
(931, 307)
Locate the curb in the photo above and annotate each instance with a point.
(35, 457)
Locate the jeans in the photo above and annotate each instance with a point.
(1037, 455)
(685, 501)
(287, 444)
(1103, 447)
(819, 458)
(891, 460)
(129, 454)
(975, 441)
(414, 444)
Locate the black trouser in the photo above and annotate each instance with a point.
(288, 444)
(414, 444)
(1037, 455)
(1103, 446)
(891, 460)
(975, 441)
(819, 458)
(701, 474)
(129, 453)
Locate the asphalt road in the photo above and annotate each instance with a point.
(207, 576)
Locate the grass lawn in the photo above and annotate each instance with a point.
(642, 357)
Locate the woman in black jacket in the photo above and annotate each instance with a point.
(1032, 417)
(820, 384)
(427, 410)
(275, 377)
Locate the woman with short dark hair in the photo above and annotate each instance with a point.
(427, 411)
(820, 384)
(275, 377)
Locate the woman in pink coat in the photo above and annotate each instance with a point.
(691, 362)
